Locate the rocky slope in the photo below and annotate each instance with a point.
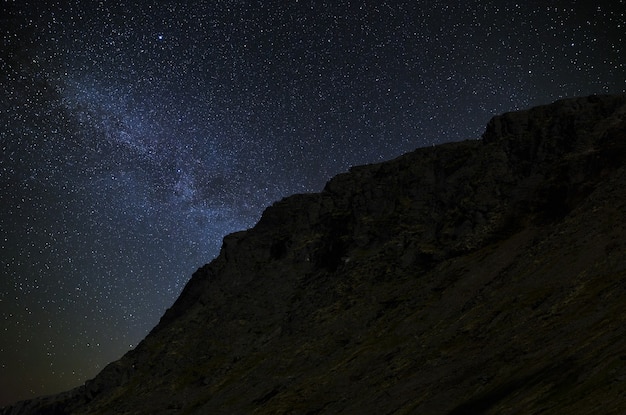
(485, 276)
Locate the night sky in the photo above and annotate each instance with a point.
(134, 135)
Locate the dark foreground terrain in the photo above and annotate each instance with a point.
(477, 277)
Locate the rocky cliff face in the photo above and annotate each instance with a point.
(476, 277)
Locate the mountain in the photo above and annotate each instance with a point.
(486, 276)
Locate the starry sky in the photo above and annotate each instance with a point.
(134, 135)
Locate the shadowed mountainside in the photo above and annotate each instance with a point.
(483, 276)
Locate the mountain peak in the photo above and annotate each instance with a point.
(483, 276)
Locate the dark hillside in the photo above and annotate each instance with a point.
(483, 276)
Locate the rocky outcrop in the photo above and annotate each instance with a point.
(484, 276)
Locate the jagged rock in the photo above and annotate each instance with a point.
(484, 276)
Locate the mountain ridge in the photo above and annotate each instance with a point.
(383, 292)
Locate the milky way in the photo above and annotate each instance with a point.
(135, 135)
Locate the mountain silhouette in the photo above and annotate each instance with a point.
(477, 277)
